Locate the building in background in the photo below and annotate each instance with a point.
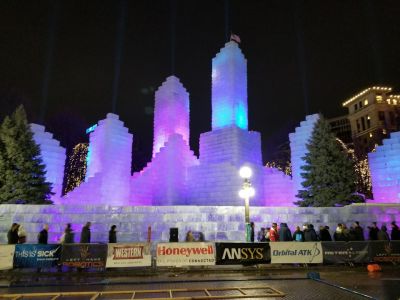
(373, 114)
(341, 127)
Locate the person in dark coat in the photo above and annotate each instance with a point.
(357, 232)
(395, 234)
(284, 233)
(309, 234)
(85, 234)
(12, 234)
(43, 235)
(68, 235)
(298, 235)
(112, 234)
(382, 234)
(373, 232)
(252, 232)
(324, 234)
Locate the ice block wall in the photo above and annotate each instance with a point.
(229, 88)
(216, 180)
(171, 112)
(53, 156)
(298, 148)
(164, 180)
(108, 165)
(278, 188)
(385, 170)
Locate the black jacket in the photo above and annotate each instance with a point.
(12, 236)
(43, 236)
(112, 236)
(310, 235)
(85, 235)
(373, 233)
(284, 233)
(324, 235)
(359, 233)
(395, 234)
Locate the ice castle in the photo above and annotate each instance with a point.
(179, 189)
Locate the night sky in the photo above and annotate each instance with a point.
(62, 60)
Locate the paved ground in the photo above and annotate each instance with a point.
(336, 282)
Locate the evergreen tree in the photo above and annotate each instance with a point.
(329, 177)
(23, 173)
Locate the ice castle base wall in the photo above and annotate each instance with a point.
(218, 223)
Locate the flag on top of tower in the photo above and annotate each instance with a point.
(235, 38)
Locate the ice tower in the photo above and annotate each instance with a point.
(385, 170)
(171, 112)
(53, 156)
(229, 145)
(164, 180)
(108, 165)
(298, 148)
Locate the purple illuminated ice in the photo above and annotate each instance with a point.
(278, 188)
(108, 166)
(53, 156)
(171, 112)
(385, 170)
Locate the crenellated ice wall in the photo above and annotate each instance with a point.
(385, 170)
(298, 148)
(278, 188)
(108, 166)
(164, 180)
(229, 88)
(53, 157)
(171, 112)
(218, 223)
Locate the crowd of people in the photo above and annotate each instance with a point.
(342, 233)
(17, 234)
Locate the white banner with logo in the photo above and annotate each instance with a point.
(128, 255)
(6, 256)
(185, 254)
(296, 252)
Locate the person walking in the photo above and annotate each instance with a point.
(284, 233)
(395, 234)
(112, 234)
(43, 235)
(12, 234)
(298, 235)
(85, 234)
(68, 235)
(382, 234)
(273, 233)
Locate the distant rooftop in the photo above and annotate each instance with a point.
(370, 89)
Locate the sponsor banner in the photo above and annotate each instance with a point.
(84, 255)
(242, 253)
(36, 255)
(128, 255)
(345, 252)
(185, 254)
(384, 251)
(296, 252)
(6, 256)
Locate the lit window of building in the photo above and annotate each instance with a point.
(388, 101)
(370, 135)
(384, 131)
(394, 102)
(378, 99)
(366, 102)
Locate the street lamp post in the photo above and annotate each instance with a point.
(246, 192)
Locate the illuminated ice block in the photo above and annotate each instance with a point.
(298, 148)
(384, 166)
(216, 180)
(229, 88)
(278, 188)
(171, 112)
(53, 157)
(108, 165)
(164, 180)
